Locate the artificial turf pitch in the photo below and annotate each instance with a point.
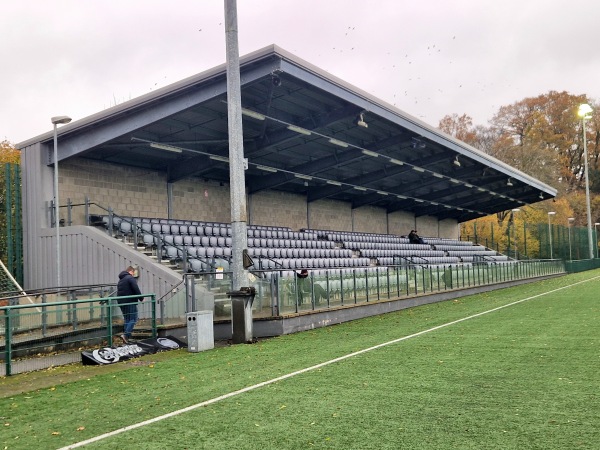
(521, 377)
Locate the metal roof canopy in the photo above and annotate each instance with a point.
(397, 162)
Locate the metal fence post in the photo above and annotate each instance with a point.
(8, 341)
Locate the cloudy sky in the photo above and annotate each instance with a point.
(428, 58)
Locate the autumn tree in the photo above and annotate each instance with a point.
(9, 154)
(542, 136)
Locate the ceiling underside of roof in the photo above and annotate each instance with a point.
(388, 161)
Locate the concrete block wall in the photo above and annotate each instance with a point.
(330, 215)
(427, 226)
(369, 219)
(278, 208)
(144, 193)
(448, 229)
(202, 200)
(129, 191)
(401, 222)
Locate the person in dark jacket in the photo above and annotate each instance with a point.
(414, 238)
(126, 286)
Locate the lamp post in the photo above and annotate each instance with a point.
(585, 112)
(571, 219)
(596, 240)
(516, 210)
(56, 121)
(550, 214)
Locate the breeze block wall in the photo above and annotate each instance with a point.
(277, 208)
(201, 200)
(370, 219)
(330, 215)
(128, 191)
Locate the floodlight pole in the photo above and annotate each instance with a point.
(237, 180)
(587, 191)
(56, 121)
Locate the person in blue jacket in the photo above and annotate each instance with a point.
(126, 286)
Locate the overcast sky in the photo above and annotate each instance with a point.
(428, 58)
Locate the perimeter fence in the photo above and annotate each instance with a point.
(31, 331)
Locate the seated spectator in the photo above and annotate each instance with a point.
(414, 238)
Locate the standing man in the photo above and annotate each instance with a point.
(127, 285)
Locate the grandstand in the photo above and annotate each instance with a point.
(325, 192)
(197, 247)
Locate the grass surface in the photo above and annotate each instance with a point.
(522, 377)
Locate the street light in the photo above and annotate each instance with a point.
(550, 213)
(571, 219)
(585, 112)
(596, 233)
(56, 121)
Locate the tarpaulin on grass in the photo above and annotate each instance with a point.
(110, 355)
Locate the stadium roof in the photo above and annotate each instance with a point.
(306, 132)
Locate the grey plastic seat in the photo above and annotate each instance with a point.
(171, 252)
(125, 227)
(148, 240)
(197, 266)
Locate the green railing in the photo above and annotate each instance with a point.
(364, 285)
(582, 265)
(32, 334)
(281, 292)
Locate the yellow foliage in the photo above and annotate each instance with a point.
(9, 154)
(518, 227)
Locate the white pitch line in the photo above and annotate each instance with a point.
(308, 369)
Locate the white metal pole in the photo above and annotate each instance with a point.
(587, 192)
(56, 211)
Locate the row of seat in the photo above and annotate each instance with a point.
(299, 252)
(104, 219)
(394, 261)
(460, 248)
(151, 240)
(372, 253)
(384, 246)
(126, 228)
(485, 258)
(289, 243)
(482, 252)
(444, 241)
(311, 263)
